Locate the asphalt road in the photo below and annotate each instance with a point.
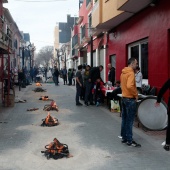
(90, 132)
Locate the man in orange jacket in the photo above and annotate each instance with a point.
(129, 98)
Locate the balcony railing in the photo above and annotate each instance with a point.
(85, 33)
(87, 2)
(6, 38)
(75, 40)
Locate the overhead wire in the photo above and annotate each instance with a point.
(39, 0)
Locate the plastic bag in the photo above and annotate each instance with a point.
(115, 105)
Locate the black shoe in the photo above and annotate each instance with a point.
(86, 103)
(167, 147)
(134, 144)
(91, 103)
(78, 104)
(124, 141)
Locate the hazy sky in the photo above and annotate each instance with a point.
(39, 18)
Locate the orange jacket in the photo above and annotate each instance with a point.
(128, 83)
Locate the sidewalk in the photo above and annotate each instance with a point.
(90, 132)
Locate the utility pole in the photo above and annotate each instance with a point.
(91, 53)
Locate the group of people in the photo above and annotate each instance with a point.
(65, 75)
(85, 82)
(89, 84)
(90, 81)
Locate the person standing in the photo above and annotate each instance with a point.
(45, 73)
(83, 89)
(111, 74)
(129, 99)
(94, 74)
(64, 74)
(32, 74)
(86, 75)
(79, 84)
(138, 78)
(164, 88)
(70, 76)
(55, 75)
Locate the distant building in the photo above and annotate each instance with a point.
(27, 37)
(65, 29)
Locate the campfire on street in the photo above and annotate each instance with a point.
(50, 121)
(52, 106)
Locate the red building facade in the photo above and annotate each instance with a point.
(145, 36)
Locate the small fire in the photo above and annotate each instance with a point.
(44, 98)
(49, 119)
(38, 84)
(54, 105)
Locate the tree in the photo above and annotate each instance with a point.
(44, 56)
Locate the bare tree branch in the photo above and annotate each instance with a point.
(44, 55)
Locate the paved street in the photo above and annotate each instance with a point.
(90, 132)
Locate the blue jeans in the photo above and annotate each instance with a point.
(78, 93)
(128, 115)
(88, 92)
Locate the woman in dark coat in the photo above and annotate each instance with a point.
(164, 88)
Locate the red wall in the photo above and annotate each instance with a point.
(152, 23)
(84, 11)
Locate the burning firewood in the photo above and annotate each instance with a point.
(56, 150)
(39, 89)
(45, 98)
(33, 109)
(52, 106)
(50, 121)
(38, 84)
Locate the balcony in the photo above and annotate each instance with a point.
(6, 41)
(133, 6)
(88, 4)
(74, 54)
(85, 34)
(97, 14)
(76, 41)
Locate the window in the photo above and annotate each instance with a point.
(139, 50)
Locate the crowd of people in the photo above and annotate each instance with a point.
(89, 85)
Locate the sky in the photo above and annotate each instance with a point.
(39, 18)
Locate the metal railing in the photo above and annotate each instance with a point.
(6, 38)
(75, 40)
(87, 2)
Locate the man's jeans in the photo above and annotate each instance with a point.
(128, 115)
(88, 92)
(78, 93)
(55, 80)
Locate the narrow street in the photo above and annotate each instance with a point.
(91, 134)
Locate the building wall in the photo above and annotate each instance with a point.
(152, 23)
(109, 9)
(65, 29)
(97, 13)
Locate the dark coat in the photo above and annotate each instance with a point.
(56, 72)
(111, 76)
(162, 91)
(94, 74)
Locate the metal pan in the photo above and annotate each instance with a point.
(153, 118)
